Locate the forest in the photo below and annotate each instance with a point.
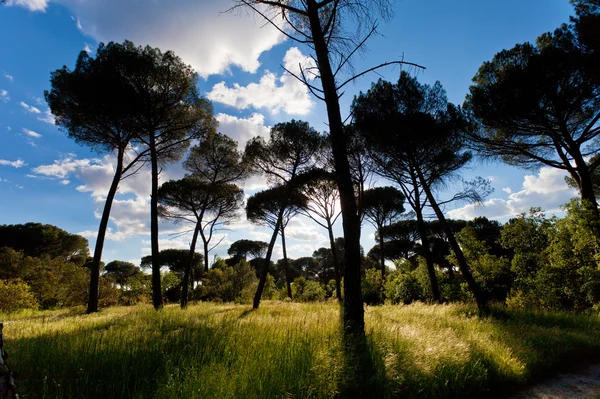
(514, 301)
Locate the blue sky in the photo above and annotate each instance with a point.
(46, 177)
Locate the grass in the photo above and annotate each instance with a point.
(289, 350)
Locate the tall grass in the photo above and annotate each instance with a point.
(288, 350)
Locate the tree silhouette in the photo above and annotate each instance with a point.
(539, 105)
(241, 249)
(274, 208)
(121, 271)
(208, 206)
(321, 25)
(290, 152)
(93, 103)
(382, 206)
(416, 136)
(167, 113)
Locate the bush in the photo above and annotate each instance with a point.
(372, 288)
(402, 288)
(304, 290)
(16, 295)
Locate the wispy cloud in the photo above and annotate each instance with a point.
(30, 108)
(4, 96)
(15, 164)
(31, 133)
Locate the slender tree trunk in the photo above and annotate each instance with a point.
(265, 266)
(586, 191)
(188, 269)
(354, 323)
(435, 289)
(336, 266)
(460, 257)
(381, 256)
(95, 269)
(286, 266)
(205, 245)
(8, 388)
(156, 289)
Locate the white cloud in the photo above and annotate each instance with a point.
(30, 108)
(8, 128)
(31, 133)
(547, 190)
(63, 167)
(64, 182)
(4, 96)
(31, 5)
(507, 190)
(243, 129)
(87, 48)
(197, 30)
(47, 117)
(15, 164)
(302, 230)
(110, 235)
(9, 77)
(285, 93)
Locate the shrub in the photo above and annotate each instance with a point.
(304, 290)
(16, 295)
(402, 288)
(372, 289)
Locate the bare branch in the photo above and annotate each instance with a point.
(378, 67)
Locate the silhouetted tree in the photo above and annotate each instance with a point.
(168, 113)
(93, 103)
(382, 206)
(242, 249)
(209, 206)
(539, 105)
(121, 271)
(417, 139)
(290, 151)
(274, 207)
(177, 261)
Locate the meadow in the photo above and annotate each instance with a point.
(290, 350)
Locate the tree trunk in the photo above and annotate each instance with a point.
(460, 257)
(188, 269)
(285, 264)
(586, 191)
(354, 324)
(156, 289)
(95, 269)
(336, 266)
(205, 245)
(8, 389)
(265, 266)
(381, 256)
(435, 289)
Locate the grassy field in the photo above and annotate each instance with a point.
(289, 350)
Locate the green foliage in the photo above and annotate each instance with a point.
(16, 295)
(304, 290)
(372, 289)
(227, 283)
(121, 271)
(402, 288)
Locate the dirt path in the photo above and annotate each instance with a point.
(584, 384)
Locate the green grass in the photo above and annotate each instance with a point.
(289, 350)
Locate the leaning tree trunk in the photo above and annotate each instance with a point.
(460, 257)
(285, 264)
(8, 389)
(188, 269)
(95, 269)
(435, 289)
(381, 257)
(265, 267)
(586, 191)
(354, 322)
(156, 289)
(336, 266)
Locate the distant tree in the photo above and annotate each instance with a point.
(309, 267)
(207, 205)
(274, 207)
(38, 240)
(242, 249)
(327, 271)
(539, 105)
(290, 151)
(320, 187)
(416, 138)
(121, 271)
(93, 103)
(382, 206)
(177, 261)
(167, 113)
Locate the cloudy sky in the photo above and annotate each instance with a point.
(46, 177)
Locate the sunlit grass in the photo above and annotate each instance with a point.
(287, 350)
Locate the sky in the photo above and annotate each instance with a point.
(46, 177)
